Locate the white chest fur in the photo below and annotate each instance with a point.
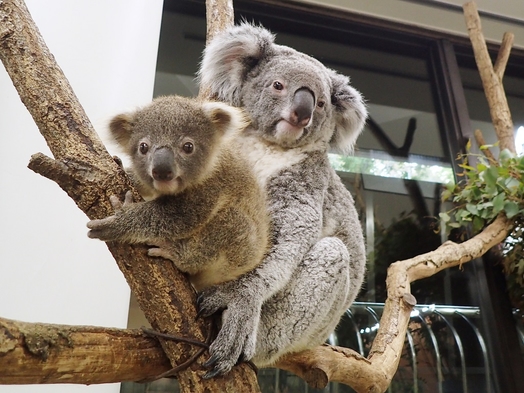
(267, 160)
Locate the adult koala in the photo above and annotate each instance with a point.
(299, 110)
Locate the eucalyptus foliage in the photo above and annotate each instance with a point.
(486, 190)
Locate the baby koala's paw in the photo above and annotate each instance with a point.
(103, 229)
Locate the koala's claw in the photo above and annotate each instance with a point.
(206, 305)
(200, 313)
(210, 362)
(214, 299)
(211, 374)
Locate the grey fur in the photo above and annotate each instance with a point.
(208, 213)
(316, 265)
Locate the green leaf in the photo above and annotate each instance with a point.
(446, 194)
(467, 167)
(485, 147)
(472, 209)
(490, 176)
(484, 205)
(476, 193)
(481, 167)
(521, 162)
(512, 184)
(511, 209)
(444, 217)
(498, 202)
(468, 145)
(505, 155)
(478, 224)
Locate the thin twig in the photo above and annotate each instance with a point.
(503, 55)
(482, 142)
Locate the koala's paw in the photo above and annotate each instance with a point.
(214, 299)
(236, 340)
(101, 229)
(117, 204)
(162, 249)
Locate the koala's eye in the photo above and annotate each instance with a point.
(277, 85)
(321, 104)
(143, 148)
(188, 147)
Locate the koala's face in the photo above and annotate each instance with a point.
(288, 106)
(171, 144)
(293, 100)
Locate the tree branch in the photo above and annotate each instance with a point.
(482, 142)
(37, 353)
(503, 56)
(491, 78)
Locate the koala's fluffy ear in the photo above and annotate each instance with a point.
(120, 128)
(230, 56)
(226, 119)
(350, 114)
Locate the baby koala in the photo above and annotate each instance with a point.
(207, 213)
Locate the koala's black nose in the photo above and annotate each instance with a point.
(163, 164)
(302, 107)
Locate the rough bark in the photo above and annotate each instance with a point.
(492, 77)
(219, 16)
(37, 353)
(84, 169)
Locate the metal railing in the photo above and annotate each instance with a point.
(423, 314)
(449, 336)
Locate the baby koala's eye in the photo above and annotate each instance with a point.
(277, 85)
(321, 104)
(143, 148)
(188, 147)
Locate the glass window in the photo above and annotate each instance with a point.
(478, 106)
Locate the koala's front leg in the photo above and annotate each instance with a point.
(236, 340)
(108, 229)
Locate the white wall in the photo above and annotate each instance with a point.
(430, 14)
(49, 270)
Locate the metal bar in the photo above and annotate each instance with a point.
(444, 309)
(484, 349)
(414, 360)
(357, 332)
(437, 352)
(458, 341)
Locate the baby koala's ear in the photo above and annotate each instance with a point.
(121, 128)
(225, 118)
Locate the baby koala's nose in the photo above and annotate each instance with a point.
(163, 160)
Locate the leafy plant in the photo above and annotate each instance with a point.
(488, 189)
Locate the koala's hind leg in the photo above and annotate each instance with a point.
(308, 309)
